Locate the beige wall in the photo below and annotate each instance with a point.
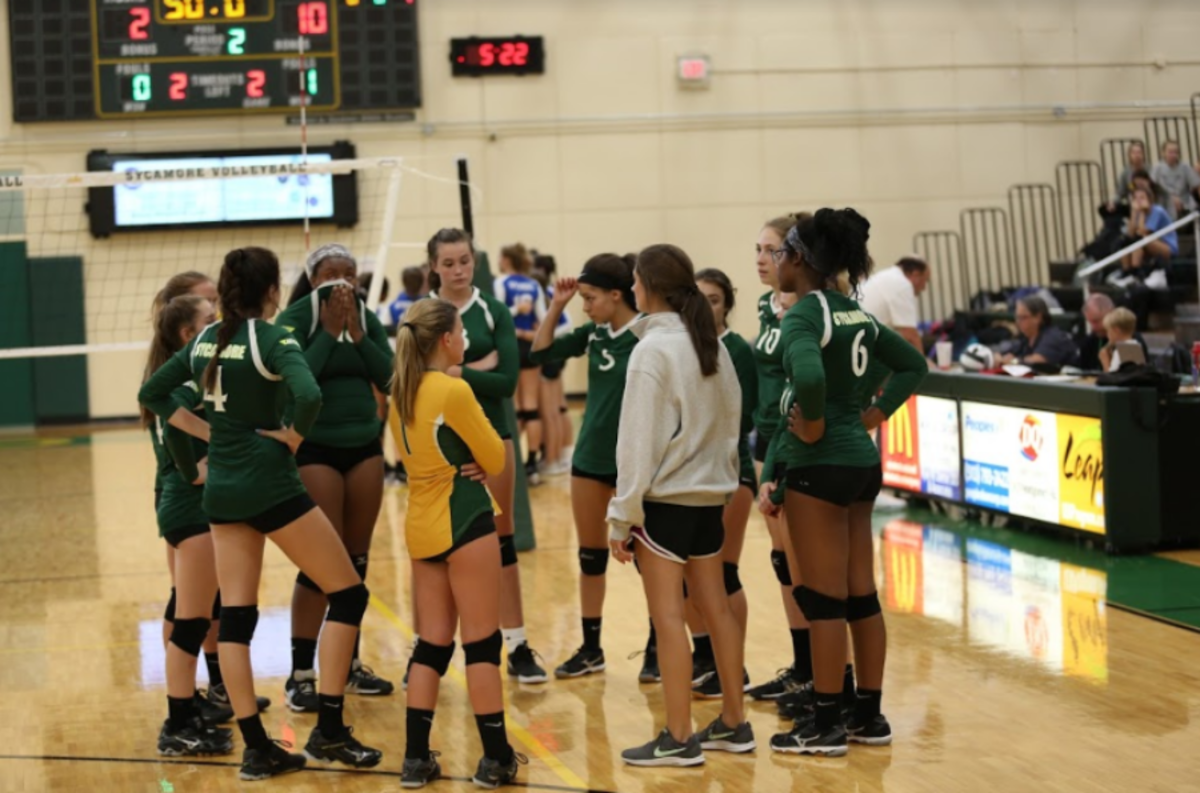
(907, 110)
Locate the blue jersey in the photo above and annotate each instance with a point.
(398, 306)
(564, 322)
(524, 298)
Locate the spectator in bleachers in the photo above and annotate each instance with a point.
(1146, 218)
(891, 297)
(1142, 179)
(1041, 342)
(1178, 179)
(1121, 325)
(1095, 337)
(1136, 159)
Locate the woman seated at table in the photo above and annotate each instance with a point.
(1040, 341)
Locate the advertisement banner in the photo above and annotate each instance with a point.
(900, 452)
(985, 431)
(1081, 473)
(938, 447)
(1010, 460)
(1085, 649)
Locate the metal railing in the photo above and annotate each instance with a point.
(1160, 129)
(987, 248)
(947, 291)
(1036, 232)
(1196, 123)
(1114, 156)
(1193, 218)
(1080, 193)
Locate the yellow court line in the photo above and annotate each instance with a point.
(526, 738)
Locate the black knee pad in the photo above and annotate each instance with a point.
(733, 583)
(484, 651)
(238, 624)
(780, 565)
(169, 611)
(216, 612)
(435, 656)
(508, 551)
(348, 605)
(593, 561)
(308, 583)
(527, 415)
(861, 607)
(188, 635)
(817, 607)
(360, 565)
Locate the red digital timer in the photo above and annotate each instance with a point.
(475, 57)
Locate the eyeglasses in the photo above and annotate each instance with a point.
(778, 255)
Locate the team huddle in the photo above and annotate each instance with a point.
(275, 429)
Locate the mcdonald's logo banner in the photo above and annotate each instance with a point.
(920, 448)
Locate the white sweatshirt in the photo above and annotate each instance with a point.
(678, 437)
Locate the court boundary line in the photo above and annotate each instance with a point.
(1150, 615)
(46, 758)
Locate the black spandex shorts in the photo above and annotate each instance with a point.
(341, 460)
(762, 442)
(277, 516)
(482, 526)
(679, 533)
(176, 537)
(552, 370)
(523, 350)
(604, 479)
(842, 485)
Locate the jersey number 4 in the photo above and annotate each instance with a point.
(217, 396)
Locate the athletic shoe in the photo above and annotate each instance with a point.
(194, 740)
(805, 738)
(523, 667)
(212, 713)
(583, 662)
(650, 672)
(786, 682)
(876, 732)
(364, 681)
(796, 704)
(561, 467)
(419, 773)
(703, 669)
(300, 692)
(711, 687)
(219, 696)
(666, 751)
(491, 774)
(718, 737)
(531, 474)
(346, 750)
(274, 760)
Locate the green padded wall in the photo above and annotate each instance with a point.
(60, 384)
(16, 395)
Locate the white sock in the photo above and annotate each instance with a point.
(415, 639)
(513, 637)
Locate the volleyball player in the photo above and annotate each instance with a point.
(606, 288)
(184, 526)
(341, 461)
(552, 403)
(833, 469)
(718, 290)
(523, 295)
(792, 686)
(243, 366)
(490, 368)
(449, 448)
(677, 466)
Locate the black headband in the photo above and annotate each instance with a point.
(603, 281)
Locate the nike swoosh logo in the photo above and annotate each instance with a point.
(720, 736)
(497, 724)
(658, 752)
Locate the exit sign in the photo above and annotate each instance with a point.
(693, 71)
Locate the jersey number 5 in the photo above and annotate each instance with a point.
(217, 395)
(859, 355)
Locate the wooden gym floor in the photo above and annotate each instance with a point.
(1016, 663)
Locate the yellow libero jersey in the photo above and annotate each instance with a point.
(449, 430)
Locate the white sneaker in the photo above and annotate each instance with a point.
(559, 467)
(884, 501)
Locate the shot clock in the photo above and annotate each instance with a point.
(132, 58)
(477, 57)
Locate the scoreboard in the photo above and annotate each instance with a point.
(109, 59)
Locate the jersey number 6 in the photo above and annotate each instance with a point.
(859, 355)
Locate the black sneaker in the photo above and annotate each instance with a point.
(364, 681)
(491, 774)
(875, 732)
(219, 696)
(274, 760)
(195, 740)
(711, 687)
(523, 666)
(805, 738)
(785, 683)
(419, 773)
(583, 662)
(345, 749)
(531, 474)
(300, 692)
(650, 672)
(664, 750)
(703, 669)
(718, 737)
(212, 713)
(796, 704)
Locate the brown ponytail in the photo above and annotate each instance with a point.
(667, 272)
(169, 322)
(247, 278)
(178, 285)
(425, 322)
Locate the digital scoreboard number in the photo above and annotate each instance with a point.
(153, 58)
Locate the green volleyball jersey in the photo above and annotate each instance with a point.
(743, 362)
(180, 503)
(768, 360)
(487, 327)
(345, 371)
(608, 354)
(247, 472)
(829, 344)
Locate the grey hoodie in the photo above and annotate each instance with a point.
(679, 430)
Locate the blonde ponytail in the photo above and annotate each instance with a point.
(425, 322)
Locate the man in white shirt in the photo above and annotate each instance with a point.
(891, 297)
